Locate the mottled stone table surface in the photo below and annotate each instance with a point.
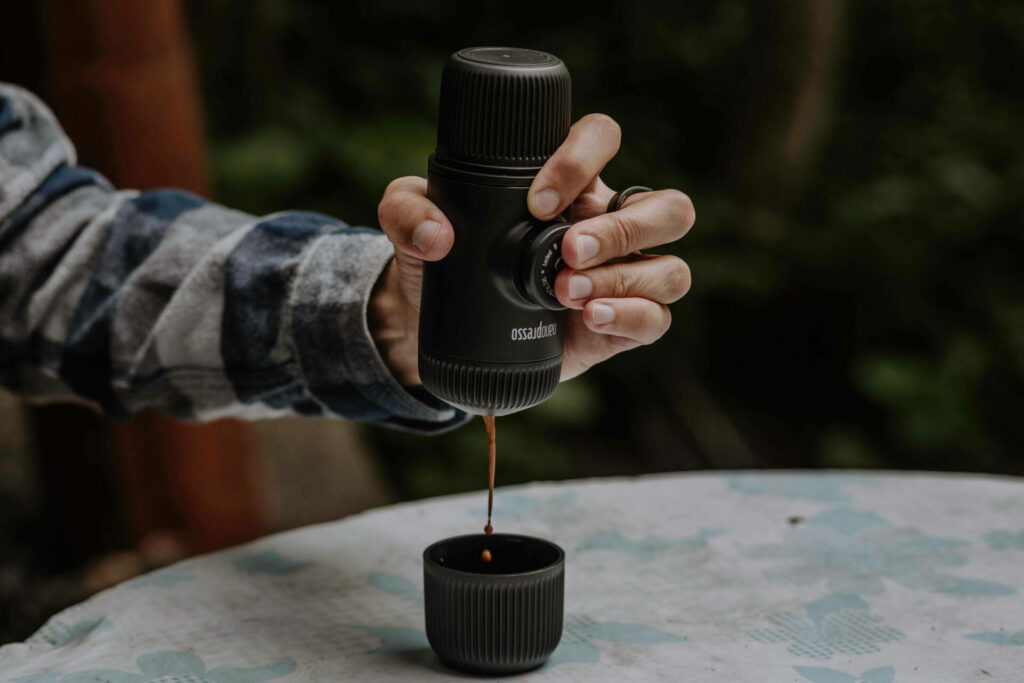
(787, 576)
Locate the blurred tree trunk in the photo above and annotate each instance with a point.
(785, 116)
(775, 144)
(125, 85)
(73, 481)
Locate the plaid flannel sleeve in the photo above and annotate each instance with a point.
(163, 300)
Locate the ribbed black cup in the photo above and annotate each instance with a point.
(497, 617)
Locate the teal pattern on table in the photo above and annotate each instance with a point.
(833, 625)
(578, 647)
(169, 667)
(645, 549)
(818, 674)
(1000, 539)
(58, 632)
(269, 562)
(521, 504)
(573, 652)
(728, 577)
(856, 552)
(395, 639)
(1015, 639)
(397, 585)
(392, 583)
(822, 488)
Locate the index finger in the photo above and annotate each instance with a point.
(590, 145)
(648, 220)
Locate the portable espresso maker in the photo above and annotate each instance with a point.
(491, 329)
(491, 334)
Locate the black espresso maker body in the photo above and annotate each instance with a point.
(491, 330)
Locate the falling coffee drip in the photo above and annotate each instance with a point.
(489, 421)
(485, 556)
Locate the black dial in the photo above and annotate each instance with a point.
(539, 265)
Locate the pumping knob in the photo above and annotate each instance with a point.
(539, 265)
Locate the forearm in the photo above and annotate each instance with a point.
(162, 300)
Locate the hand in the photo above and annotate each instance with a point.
(617, 297)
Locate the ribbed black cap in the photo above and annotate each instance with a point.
(503, 107)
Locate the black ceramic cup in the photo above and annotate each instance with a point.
(497, 617)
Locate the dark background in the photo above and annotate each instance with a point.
(857, 170)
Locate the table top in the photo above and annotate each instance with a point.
(788, 576)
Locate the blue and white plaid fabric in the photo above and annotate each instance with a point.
(163, 300)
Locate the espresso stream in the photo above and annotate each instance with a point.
(489, 422)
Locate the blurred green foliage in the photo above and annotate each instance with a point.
(856, 303)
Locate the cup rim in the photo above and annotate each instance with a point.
(560, 560)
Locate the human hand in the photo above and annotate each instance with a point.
(617, 297)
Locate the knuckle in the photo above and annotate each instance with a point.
(623, 280)
(397, 216)
(660, 320)
(666, 321)
(398, 185)
(628, 233)
(619, 343)
(573, 166)
(385, 210)
(606, 124)
(391, 200)
(682, 208)
(678, 279)
(406, 209)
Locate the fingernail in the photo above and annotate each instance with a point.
(547, 202)
(603, 314)
(587, 247)
(425, 234)
(580, 287)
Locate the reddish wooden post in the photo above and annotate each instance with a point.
(125, 85)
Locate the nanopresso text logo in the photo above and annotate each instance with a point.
(541, 331)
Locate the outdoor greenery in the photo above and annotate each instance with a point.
(858, 174)
(858, 299)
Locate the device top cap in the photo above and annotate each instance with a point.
(508, 56)
(502, 108)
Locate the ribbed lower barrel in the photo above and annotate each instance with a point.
(489, 388)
